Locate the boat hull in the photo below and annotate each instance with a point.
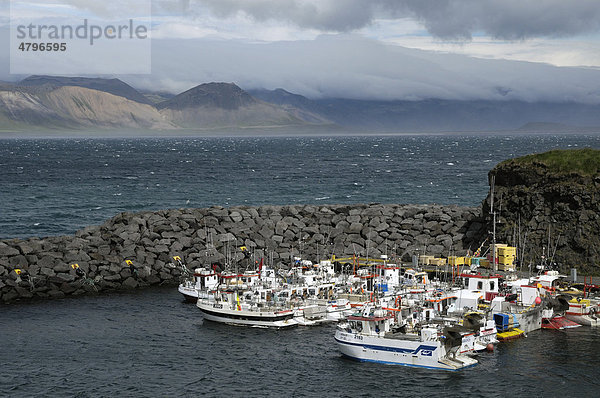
(266, 319)
(558, 323)
(585, 320)
(414, 353)
(189, 294)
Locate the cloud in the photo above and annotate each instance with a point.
(447, 19)
(351, 66)
(82, 8)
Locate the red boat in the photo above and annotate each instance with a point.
(558, 322)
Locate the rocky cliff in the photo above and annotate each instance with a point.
(204, 236)
(550, 202)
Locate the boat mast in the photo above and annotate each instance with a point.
(493, 212)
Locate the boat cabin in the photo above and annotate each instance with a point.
(412, 277)
(550, 280)
(487, 285)
(206, 279)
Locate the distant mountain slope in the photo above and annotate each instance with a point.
(299, 105)
(76, 107)
(78, 103)
(223, 105)
(216, 95)
(112, 86)
(436, 114)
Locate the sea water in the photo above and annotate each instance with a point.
(57, 186)
(152, 344)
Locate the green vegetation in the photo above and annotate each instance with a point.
(582, 161)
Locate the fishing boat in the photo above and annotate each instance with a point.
(199, 283)
(558, 322)
(373, 336)
(247, 308)
(483, 335)
(553, 317)
(584, 311)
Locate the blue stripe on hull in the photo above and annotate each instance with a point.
(390, 362)
(391, 349)
(405, 364)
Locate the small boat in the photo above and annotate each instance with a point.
(512, 334)
(584, 311)
(552, 315)
(483, 335)
(198, 284)
(373, 336)
(558, 322)
(507, 325)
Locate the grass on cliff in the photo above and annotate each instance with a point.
(582, 161)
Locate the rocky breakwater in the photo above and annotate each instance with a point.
(550, 204)
(45, 268)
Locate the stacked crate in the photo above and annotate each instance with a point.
(456, 260)
(506, 257)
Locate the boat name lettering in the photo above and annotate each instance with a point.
(218, 305)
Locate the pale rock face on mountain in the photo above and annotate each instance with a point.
(70, 106)
(93, 108)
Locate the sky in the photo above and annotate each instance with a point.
(533, 50)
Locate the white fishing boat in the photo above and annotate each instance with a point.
(229, 307)
(584, 311)
(201, 282)
(373, 336)
(483, 335)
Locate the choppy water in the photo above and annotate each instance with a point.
(150, 343)
(56, 186)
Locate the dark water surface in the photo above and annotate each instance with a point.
(56, 186)
(150, 343)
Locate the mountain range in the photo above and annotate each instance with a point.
(82, 103)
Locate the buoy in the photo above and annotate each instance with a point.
(489, 347)
(538, 301)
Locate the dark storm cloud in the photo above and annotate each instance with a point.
(448, 19)
(324, 15)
